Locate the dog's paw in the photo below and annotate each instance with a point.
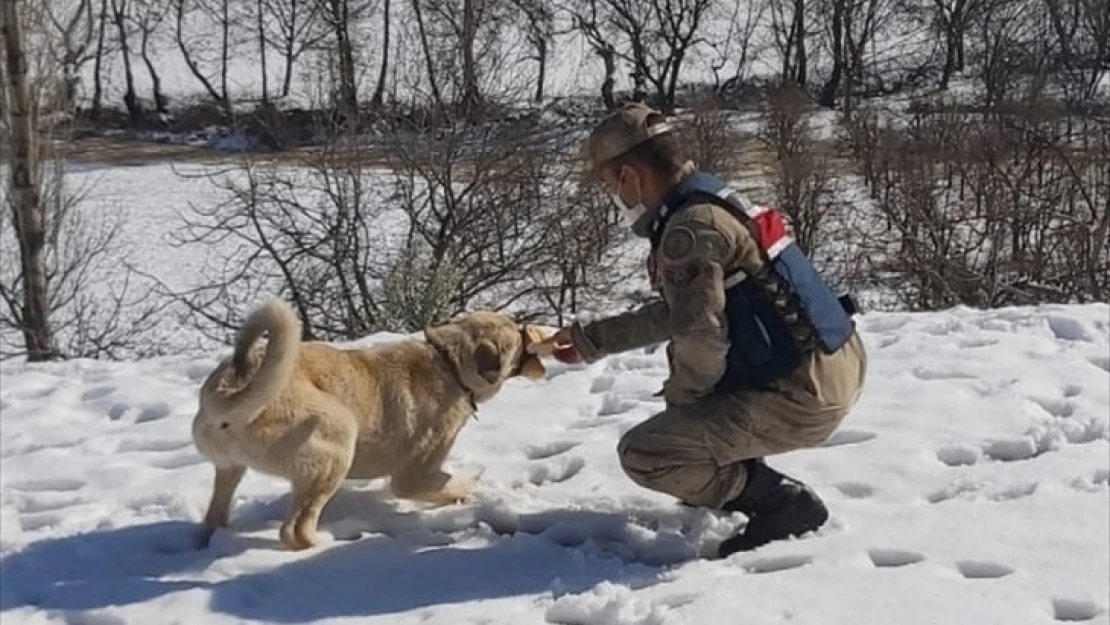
(457, 490)
(298, 539)
(202, 538)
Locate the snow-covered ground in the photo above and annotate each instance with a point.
(970, 486)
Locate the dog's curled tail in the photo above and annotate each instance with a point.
(277, 319)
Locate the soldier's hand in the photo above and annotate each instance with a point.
(561, 347)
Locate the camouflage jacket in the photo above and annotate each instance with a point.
(701, 245)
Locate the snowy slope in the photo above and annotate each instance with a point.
(970, 486)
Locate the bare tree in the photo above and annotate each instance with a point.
(658, 38)
(854, 25)
(993, 210)
(27, 211)
(788, 21)
(74, 34)
(539, 30)
(292, 26)
(60, 287)
(193, 42)
(121, 17)
(714, 142)
(150, 15)
(340, 16)
(954, 19)
(801, 173)
(587, 18)
(383, 72)
(98, 63)
(737, 45)
(465, 39)
(1005, 60)
(308, 232)
(1082, 34)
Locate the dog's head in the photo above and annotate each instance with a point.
(487, 349)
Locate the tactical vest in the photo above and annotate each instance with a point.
(779, 314)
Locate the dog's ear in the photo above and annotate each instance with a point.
(487, 362)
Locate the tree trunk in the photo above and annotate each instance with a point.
(262, 54)
(290, 50)
(155, 80)
(188, 58)
(130, 98)
(348, 91)
(426, 47)
(800, 69)
(379, 91)
(828, 93)
(950, 61)
(609, 59)
(98, 83)
(541, 58)
(668, 102)
(471, 94)
(225, 51)
(26, 201)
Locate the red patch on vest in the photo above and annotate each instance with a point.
(770, 228)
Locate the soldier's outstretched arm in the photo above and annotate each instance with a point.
(647, 325)
(690, 261)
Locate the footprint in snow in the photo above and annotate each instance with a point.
(97, 392)
(48, 485)
(1102, 362)
(855, 490)
(1014, 492)
(1074, 611)
(959, 455)
(48, 502)
(152, 445)
(178, 462)
(1061, 408)
(893, 558)
(543, 452)
(929, 374)
(603, 383)
(973, 343)
(594, 422)
(1012, 450)
(951, 491)
(556, 472)
(613, 404)
(848, 437)
(776, 565)
(972, 569)
(41, 393)
(153, 412)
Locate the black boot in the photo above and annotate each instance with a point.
(777, 507)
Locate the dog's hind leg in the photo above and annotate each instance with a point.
(322, 463)
(219, 506)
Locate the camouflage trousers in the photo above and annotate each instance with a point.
(695, 451)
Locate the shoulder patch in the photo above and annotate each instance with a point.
(678, 243)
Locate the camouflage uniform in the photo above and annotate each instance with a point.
(696, 448)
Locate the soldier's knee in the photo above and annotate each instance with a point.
(629, 455)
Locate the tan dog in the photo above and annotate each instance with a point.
(317, 415)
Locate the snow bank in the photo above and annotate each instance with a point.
(970, 486)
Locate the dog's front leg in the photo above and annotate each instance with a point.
(435, 487)
(227, 479)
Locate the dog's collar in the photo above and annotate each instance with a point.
(458, 379)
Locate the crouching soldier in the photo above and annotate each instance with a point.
(763, 357)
